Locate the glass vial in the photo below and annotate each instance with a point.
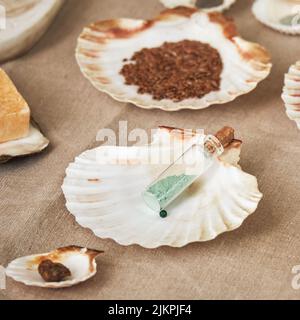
(185, 171)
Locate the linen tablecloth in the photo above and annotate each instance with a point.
(253, 262)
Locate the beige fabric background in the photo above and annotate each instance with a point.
(253, 262)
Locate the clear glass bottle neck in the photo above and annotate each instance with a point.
(213, 146)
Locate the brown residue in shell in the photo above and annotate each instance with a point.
(93, 180)
(228, 25)
(56, 255)
(53, 272)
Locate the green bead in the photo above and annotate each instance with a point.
(163, 214)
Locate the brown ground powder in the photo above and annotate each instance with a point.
(176, 71)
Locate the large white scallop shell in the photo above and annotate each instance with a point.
(193, 3)
(26, 22)
(271, 13)
(106, 198)
(103, 46)
(35, 142)
(80, 261)
(291, 93)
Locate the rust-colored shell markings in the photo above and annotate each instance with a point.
(105, 45)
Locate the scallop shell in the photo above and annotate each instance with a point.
(193, 3)
(26, 22)
(80, 261)
(271, 14)
(291, 93)
(35, 142)
(106, 198)
(103, 46)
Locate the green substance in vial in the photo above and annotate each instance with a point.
(291, 20)
(168, 188)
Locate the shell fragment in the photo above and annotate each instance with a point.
(80, 261)
(35, 142)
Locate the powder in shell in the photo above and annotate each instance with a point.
(175, 71)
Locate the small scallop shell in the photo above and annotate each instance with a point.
(281, 15)
(35, 142)
(26, 22)
(193, 3)
(103, 47)
(291, 93)
(106, 198)
(80, 261)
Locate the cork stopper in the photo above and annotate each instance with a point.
(221, 140)
(225, 136)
